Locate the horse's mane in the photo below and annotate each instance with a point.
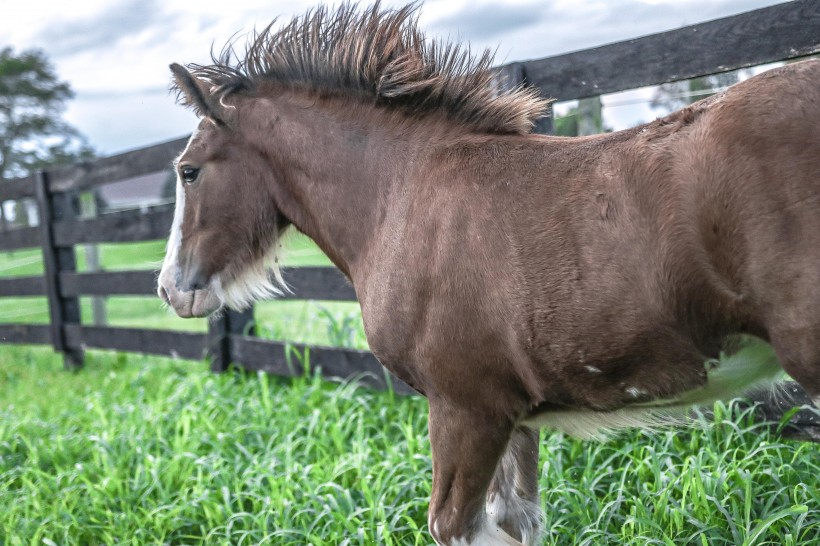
(378, 55)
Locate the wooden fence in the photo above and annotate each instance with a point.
(230, 338)
(781, 32)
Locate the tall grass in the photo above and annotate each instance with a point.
(138, 450)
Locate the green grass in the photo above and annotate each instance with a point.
(149, 452)
(137, 450)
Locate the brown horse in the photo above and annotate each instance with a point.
(514, 279)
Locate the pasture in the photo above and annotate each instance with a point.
(148, 450)
(137, 450)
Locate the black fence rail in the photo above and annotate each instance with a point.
(777, 33)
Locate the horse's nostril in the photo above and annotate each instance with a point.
(164, 295)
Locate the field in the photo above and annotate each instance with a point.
(139, 450)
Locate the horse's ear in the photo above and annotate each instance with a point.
(196, 93)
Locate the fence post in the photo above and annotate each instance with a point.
(4, 225)
(62, 310)
(590, 121)
(88, 210)
(219, 332)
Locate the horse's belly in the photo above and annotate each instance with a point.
(731, 376)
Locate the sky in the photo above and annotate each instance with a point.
(115, 53)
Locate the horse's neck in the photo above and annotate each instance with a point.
(339, 173)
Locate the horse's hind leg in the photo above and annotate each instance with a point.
(799, 352)
(467, 447)
(791, 298)
(512, 501)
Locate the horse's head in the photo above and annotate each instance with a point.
(226, 223)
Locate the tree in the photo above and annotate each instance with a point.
(32, 100)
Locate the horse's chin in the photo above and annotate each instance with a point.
(195, 304)
(205, 303)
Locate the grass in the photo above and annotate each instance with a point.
(162, 452)
(145, 450)
(138, 450)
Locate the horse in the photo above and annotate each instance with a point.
(516, 280)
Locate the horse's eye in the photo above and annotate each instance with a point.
(189, 174)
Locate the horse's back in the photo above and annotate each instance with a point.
(627, 255)
(682, 232)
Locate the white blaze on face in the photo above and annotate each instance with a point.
(239, 292)
(169, 265)
(187, 304)
(167, 275)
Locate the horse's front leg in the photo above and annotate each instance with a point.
(467, 446)
(513, 502)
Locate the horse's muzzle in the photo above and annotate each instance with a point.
(199, 300)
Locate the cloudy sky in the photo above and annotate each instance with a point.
(115, 53)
